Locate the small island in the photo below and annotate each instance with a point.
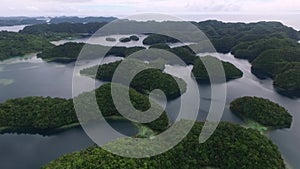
(45, 115)
(70, 51)
(110, 39)
(59, 31)
(125, 40)
(200, 73)
(36, 115)
(64, 53)
(185, 53)
(262, 111)
(143, 82)
(134, 38)
(130, 38)
(231, 146)
(288, 82)
(157, 39)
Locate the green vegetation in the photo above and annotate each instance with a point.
(130, 38)
(62, 30)
(124, 40)
(183, 52)
(110, 39)
(157, 38)
(134, 38)
(144, 81)
(256, 126)
(271, 47)
(283, 65)
(140, 102)
(65, 53)
(225, 36)
(231, 146)
(252, 41)
(15, 44)
(70, 51)
(275, 61)
(251, 50)
(262, 111)
(288, 82)
(200, 73)
(151, 79)
(48, 115)
(36, 113)
(123, 51)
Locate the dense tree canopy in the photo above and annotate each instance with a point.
(43, 114)
(70, 51)
(145, 81)
(251, 50)
(230, 147)
(243, 32)
(157, 38)
(44, 29)
(271, 47)
(288, 82)
(14, 44)
(160, 46)
(130, 38)
(261, 110)
(109, 39)
(37, 113)
(249, 41)
(123, 51)
(62, 30)
(140, 102)
(124, 40)
(200, 73)
(67, 52)
(283, 65)
(271, 58)
(186, 55)
(134, 38)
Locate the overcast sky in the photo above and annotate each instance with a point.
(129, 7)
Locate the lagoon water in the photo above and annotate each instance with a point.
(34, 77)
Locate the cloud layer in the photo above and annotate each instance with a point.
(129, 7)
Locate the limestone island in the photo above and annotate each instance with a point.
(110, 39)
(261, 111)
(130, 38)
(70, 51)
(231, 146)
(200, 73)
(145, 81)
(46, 116)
